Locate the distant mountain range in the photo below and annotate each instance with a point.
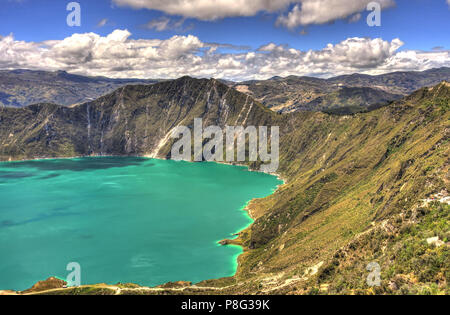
(343, 95)
(20, 88)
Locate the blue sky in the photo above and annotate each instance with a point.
(419, 24)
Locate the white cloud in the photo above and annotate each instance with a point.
(160, 24)
(165, 23)
(325, 11)
(102, 22)
(304, 12)
(355, 18)
(209, 9)
(117, 55)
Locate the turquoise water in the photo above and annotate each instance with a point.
(123, 220)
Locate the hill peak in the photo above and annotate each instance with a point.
(443, 87)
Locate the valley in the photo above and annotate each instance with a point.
(354, 183)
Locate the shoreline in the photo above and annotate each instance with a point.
(278, 175)
(246, 208)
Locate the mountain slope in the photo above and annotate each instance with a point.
(19, 88)
(349, 100)
(280, 93)
(345, 176)
(133, 120)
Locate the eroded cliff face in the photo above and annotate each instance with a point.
(134, 120)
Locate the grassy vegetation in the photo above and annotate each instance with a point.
(409, 265)
(381, 163)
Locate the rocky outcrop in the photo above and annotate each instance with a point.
(49, 284)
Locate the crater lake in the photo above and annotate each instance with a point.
(123, 219)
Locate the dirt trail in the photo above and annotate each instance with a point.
(118, 290)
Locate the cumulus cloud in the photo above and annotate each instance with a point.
(117, 55)
(304, 12)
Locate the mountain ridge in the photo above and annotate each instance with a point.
(23, 87)
(294, 93)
